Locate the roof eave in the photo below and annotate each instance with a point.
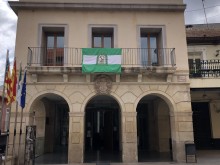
(16, 6)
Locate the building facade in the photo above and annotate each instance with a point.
(141, 114)
(203, 52)
(4, 113)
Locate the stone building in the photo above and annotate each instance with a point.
(142, 113)
(3, 112)
(204, 64)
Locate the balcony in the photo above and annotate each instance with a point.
(135, 59)
(204, 68)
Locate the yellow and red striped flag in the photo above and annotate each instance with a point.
(8, 81)
(13, 82)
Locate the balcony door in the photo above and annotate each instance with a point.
(149, 49)
(54, 49)
(194, 60)
(150, 42)
(102, 38)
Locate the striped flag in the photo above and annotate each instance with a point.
(8, 81)
(13, 82)
(101, 60)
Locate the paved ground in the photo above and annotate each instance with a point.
(203, 157)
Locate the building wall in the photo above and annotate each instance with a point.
(208, 52)
(4, 114)
(127, 89)
(215, 116)
(78, 22)
(163, 124)
(77, 96)
(111, 1)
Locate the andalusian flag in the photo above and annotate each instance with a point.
(101, 60)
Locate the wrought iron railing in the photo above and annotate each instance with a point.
(131, 57)
(205, 68)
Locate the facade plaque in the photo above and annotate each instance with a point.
(103, 84)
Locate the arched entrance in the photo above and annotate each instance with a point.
(153, 130)
(102, 130)
(50, 115)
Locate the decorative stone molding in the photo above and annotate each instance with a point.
(76, 114)
(103, 84)
(129, 114)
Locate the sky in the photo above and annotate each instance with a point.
(194, 14)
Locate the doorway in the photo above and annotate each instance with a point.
(52, 129)
(102, 130)
(202, 126)
(153, 130)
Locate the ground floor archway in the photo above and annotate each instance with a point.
(205, 104)
(52, 129)
(102, 136)
(153, 130)
(205, 118)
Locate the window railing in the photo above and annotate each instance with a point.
(131, 57)
(205, 68)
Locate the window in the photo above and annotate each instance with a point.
(102, 37)
(53, 45)
(150, 42)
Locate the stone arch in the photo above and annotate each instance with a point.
(120, 105)
(172, 108)
(162, 95)
(43, 111)
(41, 94)
(113, 95)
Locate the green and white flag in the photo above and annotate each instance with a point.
(101, 60)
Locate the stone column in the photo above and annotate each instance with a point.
(129, 137)
(76, 137)
(182, 132)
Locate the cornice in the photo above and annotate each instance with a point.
(16, 6)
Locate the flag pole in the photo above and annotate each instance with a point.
(6, 150)
(20, 136)
(23, 95)
(3, 93)
(16, 114)
(14, 137)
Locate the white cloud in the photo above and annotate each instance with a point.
(195, 14)
(8, 21)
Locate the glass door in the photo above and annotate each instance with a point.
(54, 49)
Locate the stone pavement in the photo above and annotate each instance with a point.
(203, 157)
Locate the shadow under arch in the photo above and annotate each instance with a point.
(170, 102)
(154, 134)
(102, 135)
(112, 95)
(42, 94)
(50, 114)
